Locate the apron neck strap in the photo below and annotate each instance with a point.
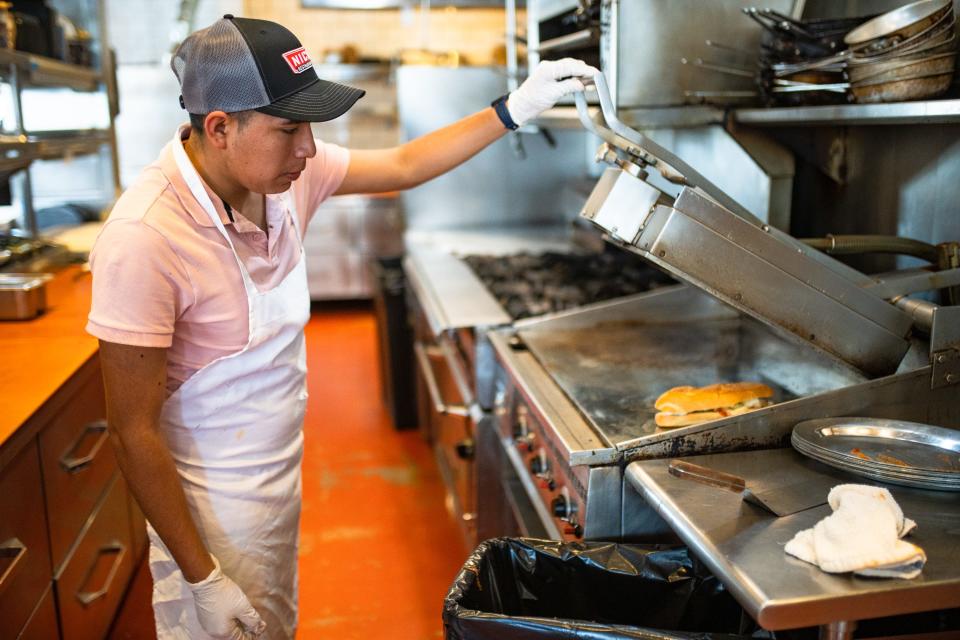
(192, 178)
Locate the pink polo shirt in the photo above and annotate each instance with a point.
(164, 276)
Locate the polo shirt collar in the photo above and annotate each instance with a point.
(168, 165)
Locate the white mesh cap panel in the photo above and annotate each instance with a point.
(217, 72)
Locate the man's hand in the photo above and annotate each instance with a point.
(222, 608)
(550, 81)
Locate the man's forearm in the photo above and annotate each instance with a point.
(152, 477)
(436, 153)
(426, 157)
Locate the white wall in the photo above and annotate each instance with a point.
(142, 33)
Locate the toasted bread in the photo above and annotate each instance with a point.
(683, 400)
(669, 421)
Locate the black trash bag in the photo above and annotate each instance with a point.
(524, 589)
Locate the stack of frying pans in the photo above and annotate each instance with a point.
(895, 451)
(905, 54)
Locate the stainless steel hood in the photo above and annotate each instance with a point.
(709, 240)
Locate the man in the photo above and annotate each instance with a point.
(200, 299)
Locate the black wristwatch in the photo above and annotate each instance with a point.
(500, 106)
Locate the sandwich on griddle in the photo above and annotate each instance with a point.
(683, 406)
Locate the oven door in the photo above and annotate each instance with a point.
(507, 502)
(446, 406)
(504, 507)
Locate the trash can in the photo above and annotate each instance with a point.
(522, 588)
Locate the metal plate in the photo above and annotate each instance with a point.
(896, 451)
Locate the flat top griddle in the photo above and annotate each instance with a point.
(614, 361)
(614, 372)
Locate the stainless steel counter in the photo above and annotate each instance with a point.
(453, 296)
(743, 544)
(499, 240)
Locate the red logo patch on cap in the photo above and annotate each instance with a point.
(298, 59)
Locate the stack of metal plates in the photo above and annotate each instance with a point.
(894, 451)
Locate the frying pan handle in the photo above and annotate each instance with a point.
(754, 14)
(704, 475)
(788, 24)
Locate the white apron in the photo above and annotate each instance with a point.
(235, 429)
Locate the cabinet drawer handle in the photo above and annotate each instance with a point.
(433, 389)
(72, 463)
(86, 598)
(15, 549)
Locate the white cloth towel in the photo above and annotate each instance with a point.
(862, 535)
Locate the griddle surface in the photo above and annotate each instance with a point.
(614, 371)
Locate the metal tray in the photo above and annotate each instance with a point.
(22, 295)
(895, 451)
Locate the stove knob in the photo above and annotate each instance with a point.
(546, 481)
(525, 440)
(538, 465)
(560, 507)
(465, 449)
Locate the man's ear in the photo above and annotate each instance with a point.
(215, 129)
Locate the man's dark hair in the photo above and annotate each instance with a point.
(197, 119)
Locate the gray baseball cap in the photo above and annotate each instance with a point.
(238, 64)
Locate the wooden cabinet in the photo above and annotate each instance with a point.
(43, 623)
(24, 548)
(77, 462)
(93, 578)
(70, 535)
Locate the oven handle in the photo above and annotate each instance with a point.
(441, 406)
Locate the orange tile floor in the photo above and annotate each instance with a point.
(378, 550)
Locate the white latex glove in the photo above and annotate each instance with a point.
(545, 87)
(222, 608)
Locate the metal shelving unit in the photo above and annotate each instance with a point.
(19, 148)
(894, 113)
(16, 153)
(40, 71)
(53, 145)
(921, 112)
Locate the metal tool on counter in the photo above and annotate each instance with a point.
(780, 501)
(896, 451)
